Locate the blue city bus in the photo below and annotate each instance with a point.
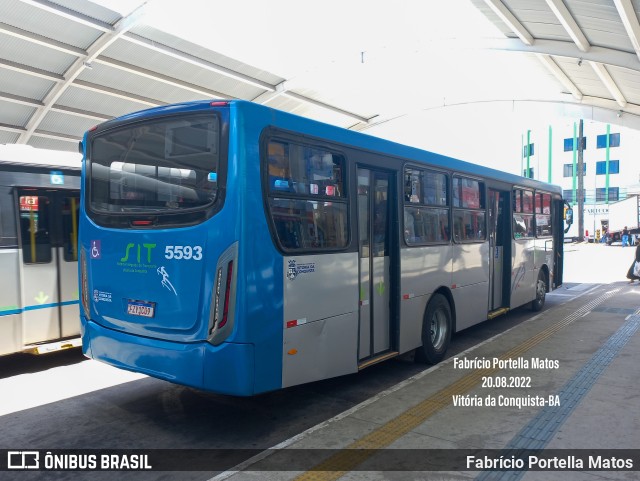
(238, 249)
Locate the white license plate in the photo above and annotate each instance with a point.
(139, 308)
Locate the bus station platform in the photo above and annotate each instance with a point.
(552, 395)
(555, 397)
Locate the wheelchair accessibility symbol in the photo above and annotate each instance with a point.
(95, 249)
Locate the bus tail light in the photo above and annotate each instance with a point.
(227, 293)
(84, 284)
(223, 296)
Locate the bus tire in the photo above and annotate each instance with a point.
(541, 292)
(436, 331)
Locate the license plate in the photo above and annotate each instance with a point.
(141, 308)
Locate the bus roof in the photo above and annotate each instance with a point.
(333, 133)
(18, 154)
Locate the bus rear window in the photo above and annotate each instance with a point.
(159, 166)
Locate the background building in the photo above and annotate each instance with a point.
(611, 171)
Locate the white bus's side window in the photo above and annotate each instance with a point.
(523, 225)
(469, 214)
(426, 212)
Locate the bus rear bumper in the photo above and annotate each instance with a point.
(225, 369)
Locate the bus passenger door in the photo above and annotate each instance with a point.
(499, 250)
(49, 270)
(374, 212)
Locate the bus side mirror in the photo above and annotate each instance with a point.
(568, 216)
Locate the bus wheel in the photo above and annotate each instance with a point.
(436, 331)
(541, 292)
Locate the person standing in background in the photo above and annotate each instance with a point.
(633, 273)
(625, 236)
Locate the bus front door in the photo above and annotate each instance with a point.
(500, 250)
(48, 236)
(374, 248)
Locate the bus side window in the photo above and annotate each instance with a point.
(8, 234)
(34, 227)
(279, 173)
(286, 221)
(523, 214)
(409, 227)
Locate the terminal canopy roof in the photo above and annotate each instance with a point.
(66, 65)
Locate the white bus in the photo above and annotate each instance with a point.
(39, 202)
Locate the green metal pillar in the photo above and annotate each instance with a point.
(522, 153)
(575, 161)
(528, 151)
(550, 153)
(606, 184)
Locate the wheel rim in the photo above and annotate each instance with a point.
(438, 328)
(541, 290)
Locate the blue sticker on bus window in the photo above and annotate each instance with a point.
(212, 177)
(56, 177)
(281, 184)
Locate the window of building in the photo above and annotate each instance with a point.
(568, 144)
(614, 167)
(567, 170)
(601, 194)
(568, 195)
(426, 213)
(614, 141)
(528, 174)
(528, 149)
(469, 219)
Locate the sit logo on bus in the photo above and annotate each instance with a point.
(170, 252)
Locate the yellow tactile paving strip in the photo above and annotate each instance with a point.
(362, 449)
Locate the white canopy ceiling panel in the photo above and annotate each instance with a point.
(31, 54)
(368, 66)
(67, 125)
(484, 8)
(283, 103)
(583, 76)
(41, 141)
(166, 39)
(14, 114)
(595, 9)
(628, 81)
(8, 137)
(142, 86)
(102, 11)
(597, 17)
(600, 23)
(93, 101)
(185, 71)
(304, 109)
(31, 18)
(540, 21)
(22, 84)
